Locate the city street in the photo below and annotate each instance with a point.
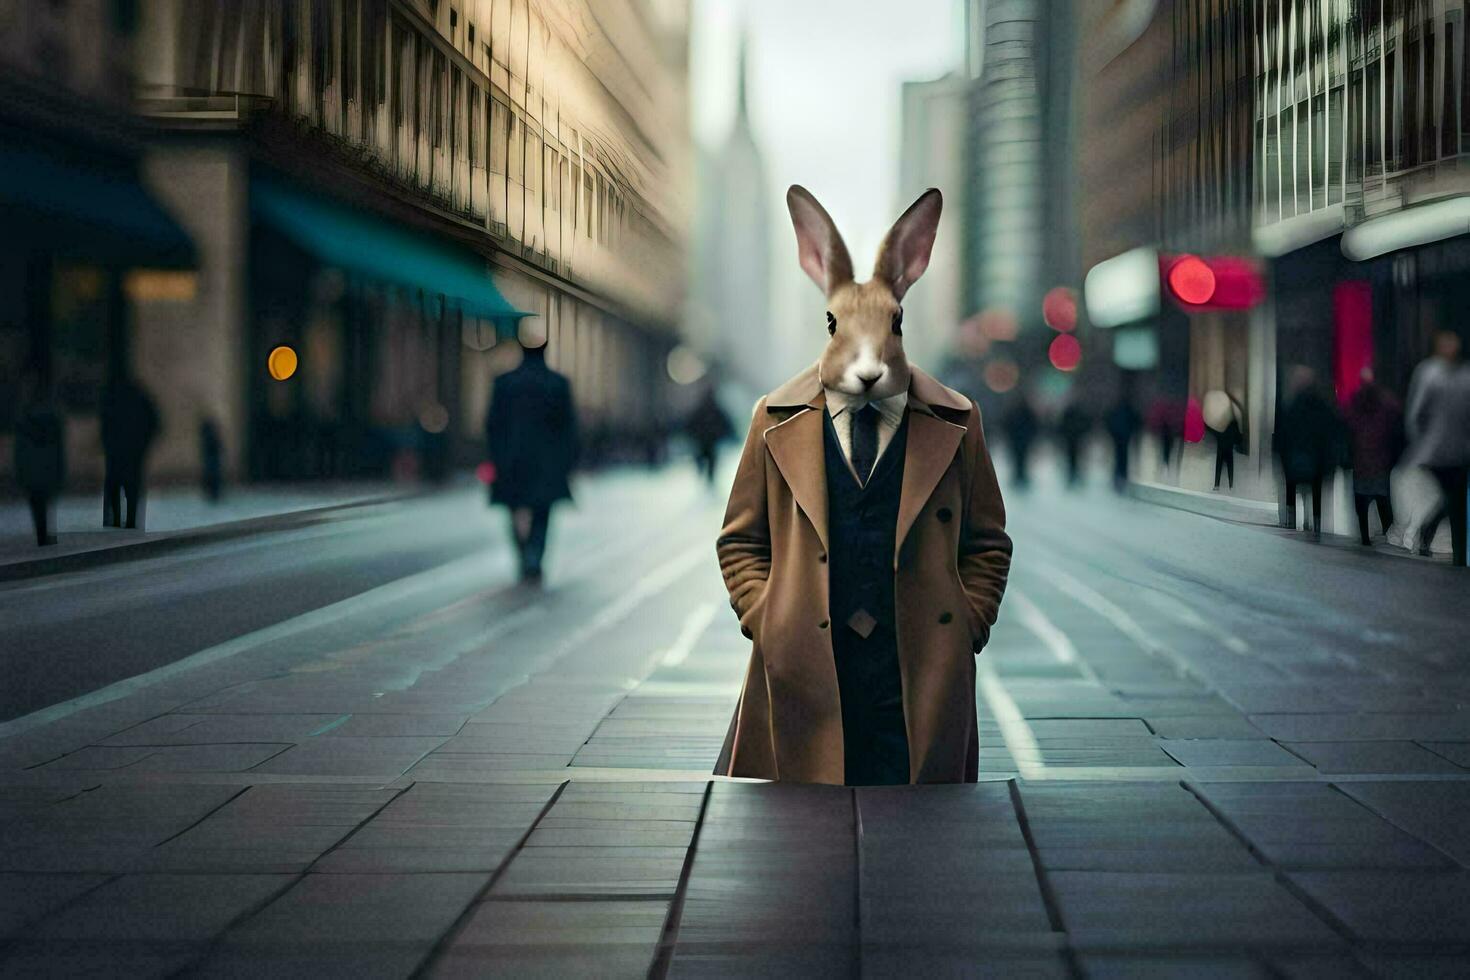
(357, 748)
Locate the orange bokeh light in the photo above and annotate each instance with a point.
(1192, 280)
(1001, 376)
(281, 363)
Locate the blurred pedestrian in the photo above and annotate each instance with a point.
(708, 426)
(211, 460)
(40, 455)
(1222, 418)
(1020, 425)
(1122, 422)
(1074, 427)
(1439, 418)
(129, 425)
(1375, 427)
(1165, 420)
(531, 431)
(1306, 439)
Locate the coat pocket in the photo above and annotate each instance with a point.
(750, 622)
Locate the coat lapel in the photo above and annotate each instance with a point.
(796, 446)
(932, 443)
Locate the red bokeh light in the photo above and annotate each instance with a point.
(1059, 309)
(1192, 280)
(485, 473)
(1065, 352)
(1194, 421)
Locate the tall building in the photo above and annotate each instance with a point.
(1322, 144)
(394, 189)
(932, 154)
(1019, 228)
(1020, 204)
(730, 308)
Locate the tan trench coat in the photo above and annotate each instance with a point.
(950, 568)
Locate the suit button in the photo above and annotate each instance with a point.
(944, 618)
(822, 558)
(823, 625)
(943, 514)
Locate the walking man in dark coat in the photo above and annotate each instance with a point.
(40, 457)
(1306, 439)
(531, 431)
(708, 426)
(129, 423)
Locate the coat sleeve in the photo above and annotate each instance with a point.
(744, 545)
(985, 548)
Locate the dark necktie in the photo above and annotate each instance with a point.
(864, 441)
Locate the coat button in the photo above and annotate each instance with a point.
(822, 625)
(822, 558)
(943, 514)
(944, 618)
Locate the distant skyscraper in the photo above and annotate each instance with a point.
(1020, 207)
(932, 154)
(731, 309)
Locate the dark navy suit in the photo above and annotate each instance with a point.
(862, 528)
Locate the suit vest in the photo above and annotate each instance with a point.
(863, 529)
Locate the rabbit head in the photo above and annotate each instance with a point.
(864, 357)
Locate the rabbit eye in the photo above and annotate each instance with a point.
(831, 323)
(898, 323)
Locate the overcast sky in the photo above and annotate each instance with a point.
(824, 98)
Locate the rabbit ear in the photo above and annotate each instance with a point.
(819, 247)
(904, 254)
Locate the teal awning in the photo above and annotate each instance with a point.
(91, 209)
(373, 247)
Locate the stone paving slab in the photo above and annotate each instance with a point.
(1402, 907)
(1373, 757)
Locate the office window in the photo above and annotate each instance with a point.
(500, 122)
(471, 37)
(436, 94)
(589, 195)
(551, 183)
(477, 135)
(516, 150)
(533, 159)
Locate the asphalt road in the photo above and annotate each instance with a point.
(70, 634)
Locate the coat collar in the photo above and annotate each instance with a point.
(925, 393)
(796, 446)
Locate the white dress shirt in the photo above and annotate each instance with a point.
(843, 408)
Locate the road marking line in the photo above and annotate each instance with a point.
(1172, 606)
(695, 624)
(1018, 737)
(1125, 623)
(623, 606)
(1035, 621)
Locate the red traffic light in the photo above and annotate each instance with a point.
(1222, 282)
(1191, 280)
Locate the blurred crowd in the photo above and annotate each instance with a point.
(1370, 434)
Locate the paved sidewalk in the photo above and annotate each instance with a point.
(1205, 751)
(170, 512)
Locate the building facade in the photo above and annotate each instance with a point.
(1324, 141)
(474, 171)
(82, 234)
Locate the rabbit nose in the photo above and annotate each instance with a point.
(869, 380)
